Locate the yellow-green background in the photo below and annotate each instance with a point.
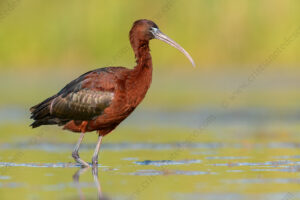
(76, 33)
(46, 44)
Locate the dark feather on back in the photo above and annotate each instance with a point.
(61, 108)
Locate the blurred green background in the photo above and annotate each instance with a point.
(47, 44)
(76, 33)
(247, 77)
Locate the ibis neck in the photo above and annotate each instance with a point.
(142, 54)
(140, 77)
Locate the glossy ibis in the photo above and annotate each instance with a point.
(101, 99)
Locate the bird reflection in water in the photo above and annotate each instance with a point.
(94, 171)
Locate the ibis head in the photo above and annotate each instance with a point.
(146, 30)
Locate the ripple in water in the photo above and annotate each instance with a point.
(166, 162)
(168, 172)
(42, 165)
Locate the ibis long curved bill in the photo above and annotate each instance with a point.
(160, 36)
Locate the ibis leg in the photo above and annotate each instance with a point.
(75, 154)
(96, 152)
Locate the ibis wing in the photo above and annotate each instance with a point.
(84, 98)
(84, 104)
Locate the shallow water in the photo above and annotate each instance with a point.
(249, 151)
(223, 161)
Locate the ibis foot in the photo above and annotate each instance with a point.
(76, 157)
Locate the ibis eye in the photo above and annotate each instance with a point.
(153, 31)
